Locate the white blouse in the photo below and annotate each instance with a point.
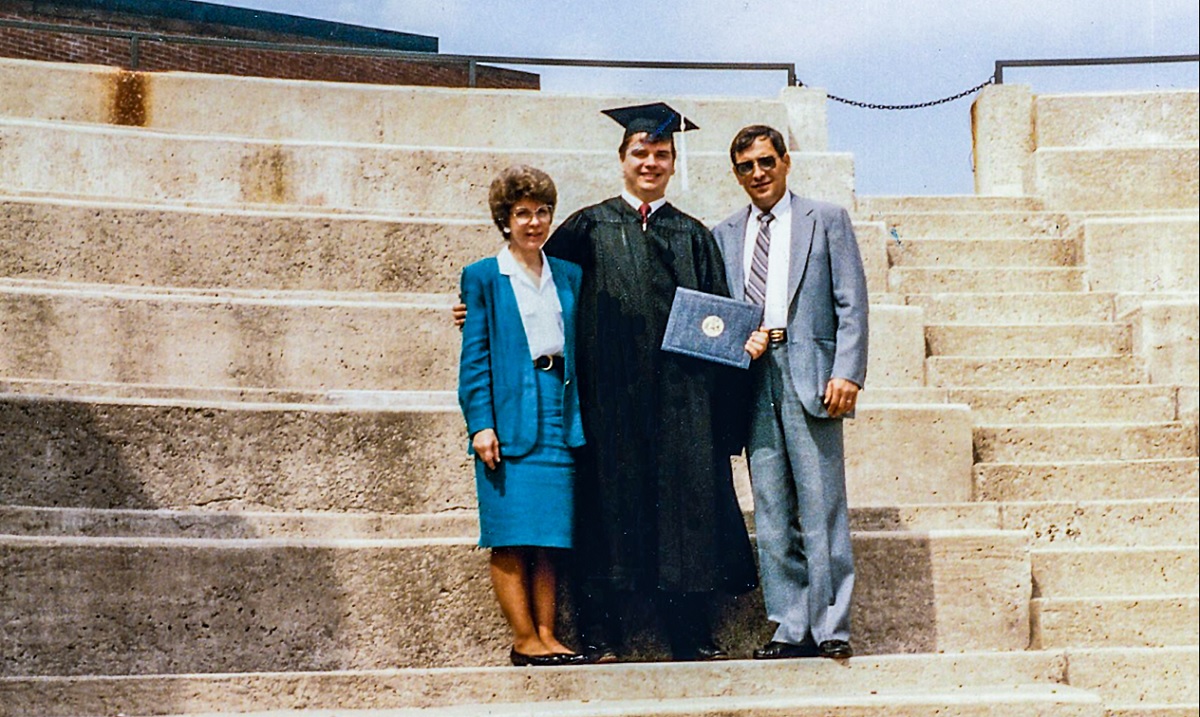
(541, 311)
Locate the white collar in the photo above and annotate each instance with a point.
(509, 266)
(637, 203)
(782, 208)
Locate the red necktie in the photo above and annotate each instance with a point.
(644, 210)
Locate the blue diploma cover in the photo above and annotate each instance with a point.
(711, 327)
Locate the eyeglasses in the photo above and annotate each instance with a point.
(524, 215)
(766, 164)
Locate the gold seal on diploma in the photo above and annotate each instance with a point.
(712, 326)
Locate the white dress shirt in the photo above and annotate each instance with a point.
(541, 311)
(775, 309)
(637, 203)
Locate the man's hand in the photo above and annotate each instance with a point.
(487, 447)
(459, 312)
(840, 397)
(756, 345)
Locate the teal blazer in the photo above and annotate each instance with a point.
(496, 381)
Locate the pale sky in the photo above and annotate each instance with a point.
(878, 52)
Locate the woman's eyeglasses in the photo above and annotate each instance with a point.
(766, 164)
(524, 216)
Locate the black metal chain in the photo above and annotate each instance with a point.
(919, 105)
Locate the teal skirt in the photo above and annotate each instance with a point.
(530, 500)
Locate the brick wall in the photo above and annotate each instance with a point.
(163, 56)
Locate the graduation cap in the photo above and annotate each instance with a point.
(659, 121)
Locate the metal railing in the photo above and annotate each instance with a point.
(1069, 62)
(136, 38)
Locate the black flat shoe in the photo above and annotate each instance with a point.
(520, 659)
(574, 658)
(704, 652)
(836, 649)
(599, 653)
(785, 651)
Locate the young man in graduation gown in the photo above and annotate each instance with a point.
(656, 509)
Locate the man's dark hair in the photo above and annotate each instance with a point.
(630, 133)
(747, 136)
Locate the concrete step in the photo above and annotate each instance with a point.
(1018, 280)
(1117, 119)
(1075, 404)
(1114, 178)
(1008, 308)
(175, 605)
(999, 443)
(1165, 522)
(1158, 254)
(149, 245)
(1088, 480)
(1061, 339)
(136, 165)
(1133, 679)
(391, 688)
(985, 252)
(270, 108)
(253, 339)
(218, 523)
(956, 372)
(1019, 701)
(397, 457)
(881, 206)
(295, 340)
(291, 249)
(1032, 700)
(1134, 621)
(1113, 572)
(986, 224)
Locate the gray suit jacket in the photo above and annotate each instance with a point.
(827, 314)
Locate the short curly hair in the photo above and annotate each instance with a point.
(514, 184)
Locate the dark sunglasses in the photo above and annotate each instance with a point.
(766, 164)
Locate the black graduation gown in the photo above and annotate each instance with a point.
(655, 505)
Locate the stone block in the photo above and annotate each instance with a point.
(1117, 119)
(1138, 676)
(1137, 621)
(977, 224)
(1083, 441)
(1076, 404)
(908, 454)
(130, 164)
(985, 252)
(956, 372)
(1156, 254)
(1166, 334)
(1113, 524)
(896, 358)
(279, 109)
(147, 245)
(1028, 340)
(1087, 480)
(1004, 308)
(1119, 178)
(264, 340)
(174, 606)
(1019, 280)
(1002, 133)
(1114, 572)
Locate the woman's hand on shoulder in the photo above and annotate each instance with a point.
(487, 447)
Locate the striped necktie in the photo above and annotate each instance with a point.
(756, 283)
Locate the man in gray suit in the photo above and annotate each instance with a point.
(799, 259)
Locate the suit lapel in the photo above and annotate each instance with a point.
(803, 228)
(506, 303)
(733, 248)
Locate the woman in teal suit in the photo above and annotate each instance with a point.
(518, 394)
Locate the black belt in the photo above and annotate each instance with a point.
(545, 363)
(777, 336)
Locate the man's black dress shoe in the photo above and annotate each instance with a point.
(785, 650)
(599, 653)
(836, 649)
(573, 658)
(520, 659)
(702, 652)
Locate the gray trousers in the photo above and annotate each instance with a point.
(798, 474)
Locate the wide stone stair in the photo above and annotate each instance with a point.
(233, 475)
